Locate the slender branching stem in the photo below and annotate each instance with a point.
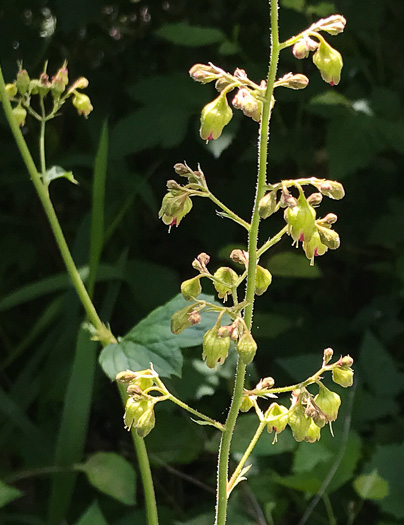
(224, 452)
(92, 315)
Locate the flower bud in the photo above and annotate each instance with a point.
(328, 402)
(332, 189)
(201, 262)
(246, 403)
(263, 279)
(182, 169)
(82, 103)
(303, 47)
(265, 384)
(183, 319)
(267, 205)
(215, 116)
(215, 348)
(20, 114)
(22, 81)
(203, 73)
(246, 348)
(332, 25)
(343, 377)
(329, 61)
(11, 90)
(139, 414)
(277, 417)
(301, 220)
(298, 421)
(327, 355)
(313, 433)
(80, 83)
(329, 237)
(291, 81)
(60, 80)
(239, 256)
(315, 199)
(249, 105)
(44, 84)
(329, 219)
(191, 288)
(314, 248)
(224, 280)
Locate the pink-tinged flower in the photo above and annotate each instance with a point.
(329, 61)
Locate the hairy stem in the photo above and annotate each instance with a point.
(224, 452)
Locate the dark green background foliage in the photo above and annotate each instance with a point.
(136, 56)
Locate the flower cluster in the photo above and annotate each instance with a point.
(327, 59)
(139, 408)
(21, 91)
(307, 414)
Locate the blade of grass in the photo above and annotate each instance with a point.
(73, 428)
(98, 203)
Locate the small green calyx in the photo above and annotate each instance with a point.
(314, 248)
(313, 433)
(277, 417)
(214, 117)
(82, 103)
(215, 347)
(23, 81)
(20, 115)
(329, 62)
(343, 374)
(328, 402)
(298, 421)
(174, 208)
(263, 279)
(267, 205)
(11, 90)
(301, 220)
(246, 348)
(139, 415)
(185, 318)
(191, 288)
(224, 279)
(246, 403)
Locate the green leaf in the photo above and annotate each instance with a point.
(296, 5)
(92, 516)
(371, 486)
(245, 429)
(322, 9)
(387, 461)
(57, 172)
(190, 36)
(352, 142)
(379, 368)
(8, 494)
(111, 474)
(289, 264)
(331, 98)
(311, 480)
(174, 439)
(151, 341)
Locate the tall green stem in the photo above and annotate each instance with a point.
(224, 452)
